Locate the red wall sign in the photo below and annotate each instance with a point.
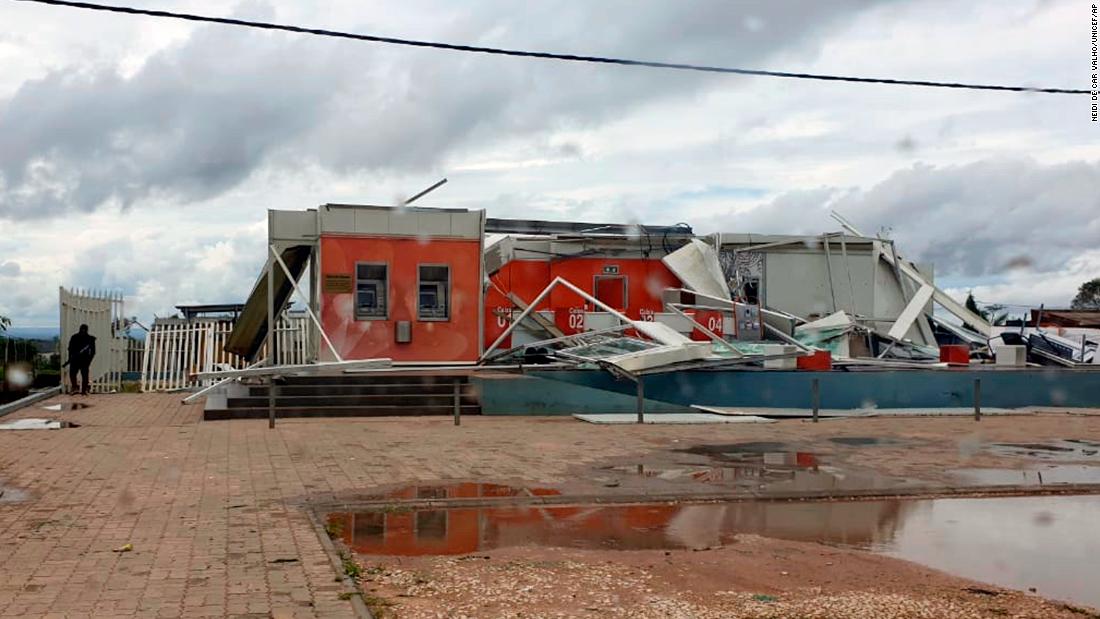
(709, 319)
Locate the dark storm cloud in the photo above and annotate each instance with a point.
(197, 119)
(983, 218)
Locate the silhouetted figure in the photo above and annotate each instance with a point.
(81, 353)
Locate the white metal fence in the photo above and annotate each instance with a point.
(102, 312)
(176, 349)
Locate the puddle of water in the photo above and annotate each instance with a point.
(66, 406)
(37, 424)
(459, 490)
(1037, 476)
(1068, 450)
(1049, 543)
(860, 441)
(764, 466)
(11, 495)
(736, 449)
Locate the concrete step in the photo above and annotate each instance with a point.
(377, 379)
(337, 411)
(405, 400)
(361, 389)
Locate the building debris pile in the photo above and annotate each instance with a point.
(758, 300)
(453, 290)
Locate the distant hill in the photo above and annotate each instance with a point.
(33, 333)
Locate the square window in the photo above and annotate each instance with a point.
(371, 286)
(431, 524)
(369, 526)
(433, 296)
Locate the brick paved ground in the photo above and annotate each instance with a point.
(216, 514)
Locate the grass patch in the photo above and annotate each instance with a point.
(378, 606)
(334, 528)
(351, 568)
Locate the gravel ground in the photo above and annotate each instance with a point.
(756, 577)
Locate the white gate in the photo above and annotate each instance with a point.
(102, 312)
(176, 349)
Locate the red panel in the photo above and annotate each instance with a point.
(498, 315)
(570, 320)
(525, 278)
(821, 360)
(710, 320)
(955, 353)
(645, 279)
(611, 289)
(453, 340)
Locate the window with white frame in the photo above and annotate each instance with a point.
(372, 282)
(433, 292)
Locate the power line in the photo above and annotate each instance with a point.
(547, 55)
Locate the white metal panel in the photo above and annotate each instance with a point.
(176, 351)
(293, 225)
(797, 281)
(696, 264)
(404, 222)
(917, 306)
(467, 225)
(1012, 356)
(433, 224)
(370, 221)
(662, 356)
(102, 311)
(660, 332)
(337, 220)
(675, 321)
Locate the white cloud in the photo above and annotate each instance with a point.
(199, 129)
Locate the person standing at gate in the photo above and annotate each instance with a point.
(81, 353)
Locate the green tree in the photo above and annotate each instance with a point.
(972, 305)
(1088, 296)
(993, 313)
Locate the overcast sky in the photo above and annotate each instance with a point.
(140, 153)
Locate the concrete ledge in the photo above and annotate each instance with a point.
(531, 395)
(870, 494)
(11, 407)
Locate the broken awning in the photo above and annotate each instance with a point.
(697, 266)
(251, 328)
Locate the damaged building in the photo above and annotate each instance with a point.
(626, 313)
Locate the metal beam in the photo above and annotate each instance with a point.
(207, 389)
(305, 299)
(939, 296)
(911, 312)
(425, 192)
(558, 281)
(707, 332)
(495, 225)
(303, 368)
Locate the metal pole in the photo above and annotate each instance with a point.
(270, 341)
(286, 270)
(641, 400)
(815, 395)
(977, 399)
(829, 268)
(458, 402)
(425, 192)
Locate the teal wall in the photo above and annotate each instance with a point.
(530, 395)
(855, 389)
